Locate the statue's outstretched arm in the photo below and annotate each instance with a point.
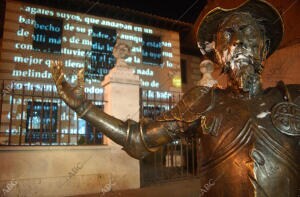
(137, 139)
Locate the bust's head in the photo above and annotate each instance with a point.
(121, 50)
(206, 66)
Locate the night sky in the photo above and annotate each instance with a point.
(187, 10)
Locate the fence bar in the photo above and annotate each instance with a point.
(69, 125)
(77, 126)
(22, 109)
(94, 133)
(51, 115)
(198, 155)
(141, 103)
(60, 122)
(1, 102)
(193, 156)
(187, 159)
(182, 157)
(162, 162)
(31, 113)
(42, 117)
(155, 165)
(11, 114)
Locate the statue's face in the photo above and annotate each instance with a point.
(121, 51)
(240, 46)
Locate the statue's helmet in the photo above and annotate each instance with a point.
(262, 11)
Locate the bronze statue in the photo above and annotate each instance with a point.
(250, 137)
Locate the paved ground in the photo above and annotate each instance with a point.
(186, 188)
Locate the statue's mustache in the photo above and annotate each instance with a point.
(235, 58)
(239, 53)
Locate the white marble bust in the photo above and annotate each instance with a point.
(121, 52)
(206, 69)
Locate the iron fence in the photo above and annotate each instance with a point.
(176, 160)
(35, 115)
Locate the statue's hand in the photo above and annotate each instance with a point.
(72, 96)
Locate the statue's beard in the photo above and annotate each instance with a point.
(243, 70)
(244, 77)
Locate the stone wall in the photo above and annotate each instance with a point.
(283, 65)
(61, 171)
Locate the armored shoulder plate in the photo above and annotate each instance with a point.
(190, 108)
(286, 115)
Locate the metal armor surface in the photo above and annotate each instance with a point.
(243, 144)
(286, 118)
(184, 112)
(246, 152)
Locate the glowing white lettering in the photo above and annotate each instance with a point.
(28, 60)
(146, 72)
(26, 21)
(131, 37)
(32, 74)
(35, 11)
(167, 54)
(68, 16)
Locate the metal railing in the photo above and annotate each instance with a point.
(35, 115)
(176, 160)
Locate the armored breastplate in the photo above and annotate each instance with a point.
(251, 146)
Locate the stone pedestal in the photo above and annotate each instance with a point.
(121, 96)
(121, 93)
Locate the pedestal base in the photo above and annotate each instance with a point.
(121, 93)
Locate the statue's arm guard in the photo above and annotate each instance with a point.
(140, 139)
(137, 138)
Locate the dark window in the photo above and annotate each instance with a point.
(2, 13)
(41, 122)
(47, 36)
(183, 71)
(92, 134)
(152, 48)
(102, 60)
